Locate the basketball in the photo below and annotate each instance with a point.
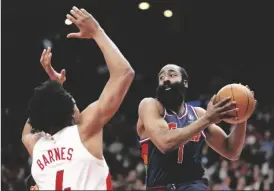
(244, 98)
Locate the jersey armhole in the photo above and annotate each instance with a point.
(98, 161)
(195, 113)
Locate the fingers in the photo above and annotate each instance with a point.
(85, 12)
(74, 35)
(46, 57)
(43, 55)
(213, 98)
(71, 18)
(210, 103)
(228, 106)
(77, 14)
(46, 63)
(223, 102)
(63, 75)
(232, 113)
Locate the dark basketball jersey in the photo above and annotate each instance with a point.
(180, 165)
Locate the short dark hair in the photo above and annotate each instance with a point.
(51, 107)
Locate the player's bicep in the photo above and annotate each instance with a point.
(155, 125)
(97, 114)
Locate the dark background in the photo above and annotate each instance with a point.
(218, 42)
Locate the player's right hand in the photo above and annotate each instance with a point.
(45, 61)
(224, 109)
(86, 23)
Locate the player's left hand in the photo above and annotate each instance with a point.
(86, 23)
(45, 61)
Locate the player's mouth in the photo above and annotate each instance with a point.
(167, 88)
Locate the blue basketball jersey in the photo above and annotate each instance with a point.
(180, 165)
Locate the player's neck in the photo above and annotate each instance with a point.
(180, 110)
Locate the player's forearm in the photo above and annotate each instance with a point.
(236, 140)
(179, 136)
(116, 62)
(27, 129)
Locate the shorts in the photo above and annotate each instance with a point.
(193, 185)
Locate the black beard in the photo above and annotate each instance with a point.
(173, 98)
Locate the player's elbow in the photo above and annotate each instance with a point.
(129, 74)
(166, 145)
(163, 149)
(232, 156)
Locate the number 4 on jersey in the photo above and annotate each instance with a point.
(59, 181)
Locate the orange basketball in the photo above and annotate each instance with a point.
(244, 98)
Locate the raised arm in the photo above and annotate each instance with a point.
(166, 140)
(96, 115)
(29, 139)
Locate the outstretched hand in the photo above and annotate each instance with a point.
(86, 23)
(45, 61)
(222, 110)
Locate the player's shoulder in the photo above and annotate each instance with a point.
(147, 100)
(151, 104)
(200, 111)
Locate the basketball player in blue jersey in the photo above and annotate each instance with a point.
(172, 134)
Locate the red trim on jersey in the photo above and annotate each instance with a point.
(109, 182)
(144, 140)
(144, 153)
(173, 113)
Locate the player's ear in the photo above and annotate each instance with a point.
(186, 83)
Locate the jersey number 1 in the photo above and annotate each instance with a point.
(59, 181)
(181, 147)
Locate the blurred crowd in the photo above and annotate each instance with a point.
(253, 171)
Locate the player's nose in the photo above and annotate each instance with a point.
(166, 82)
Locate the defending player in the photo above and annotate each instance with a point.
(69, 155)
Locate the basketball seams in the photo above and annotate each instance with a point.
(237, 92)
(233, 99)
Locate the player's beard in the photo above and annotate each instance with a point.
(172, 98)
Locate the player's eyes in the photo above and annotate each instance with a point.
(161, 77)
(172, 75)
